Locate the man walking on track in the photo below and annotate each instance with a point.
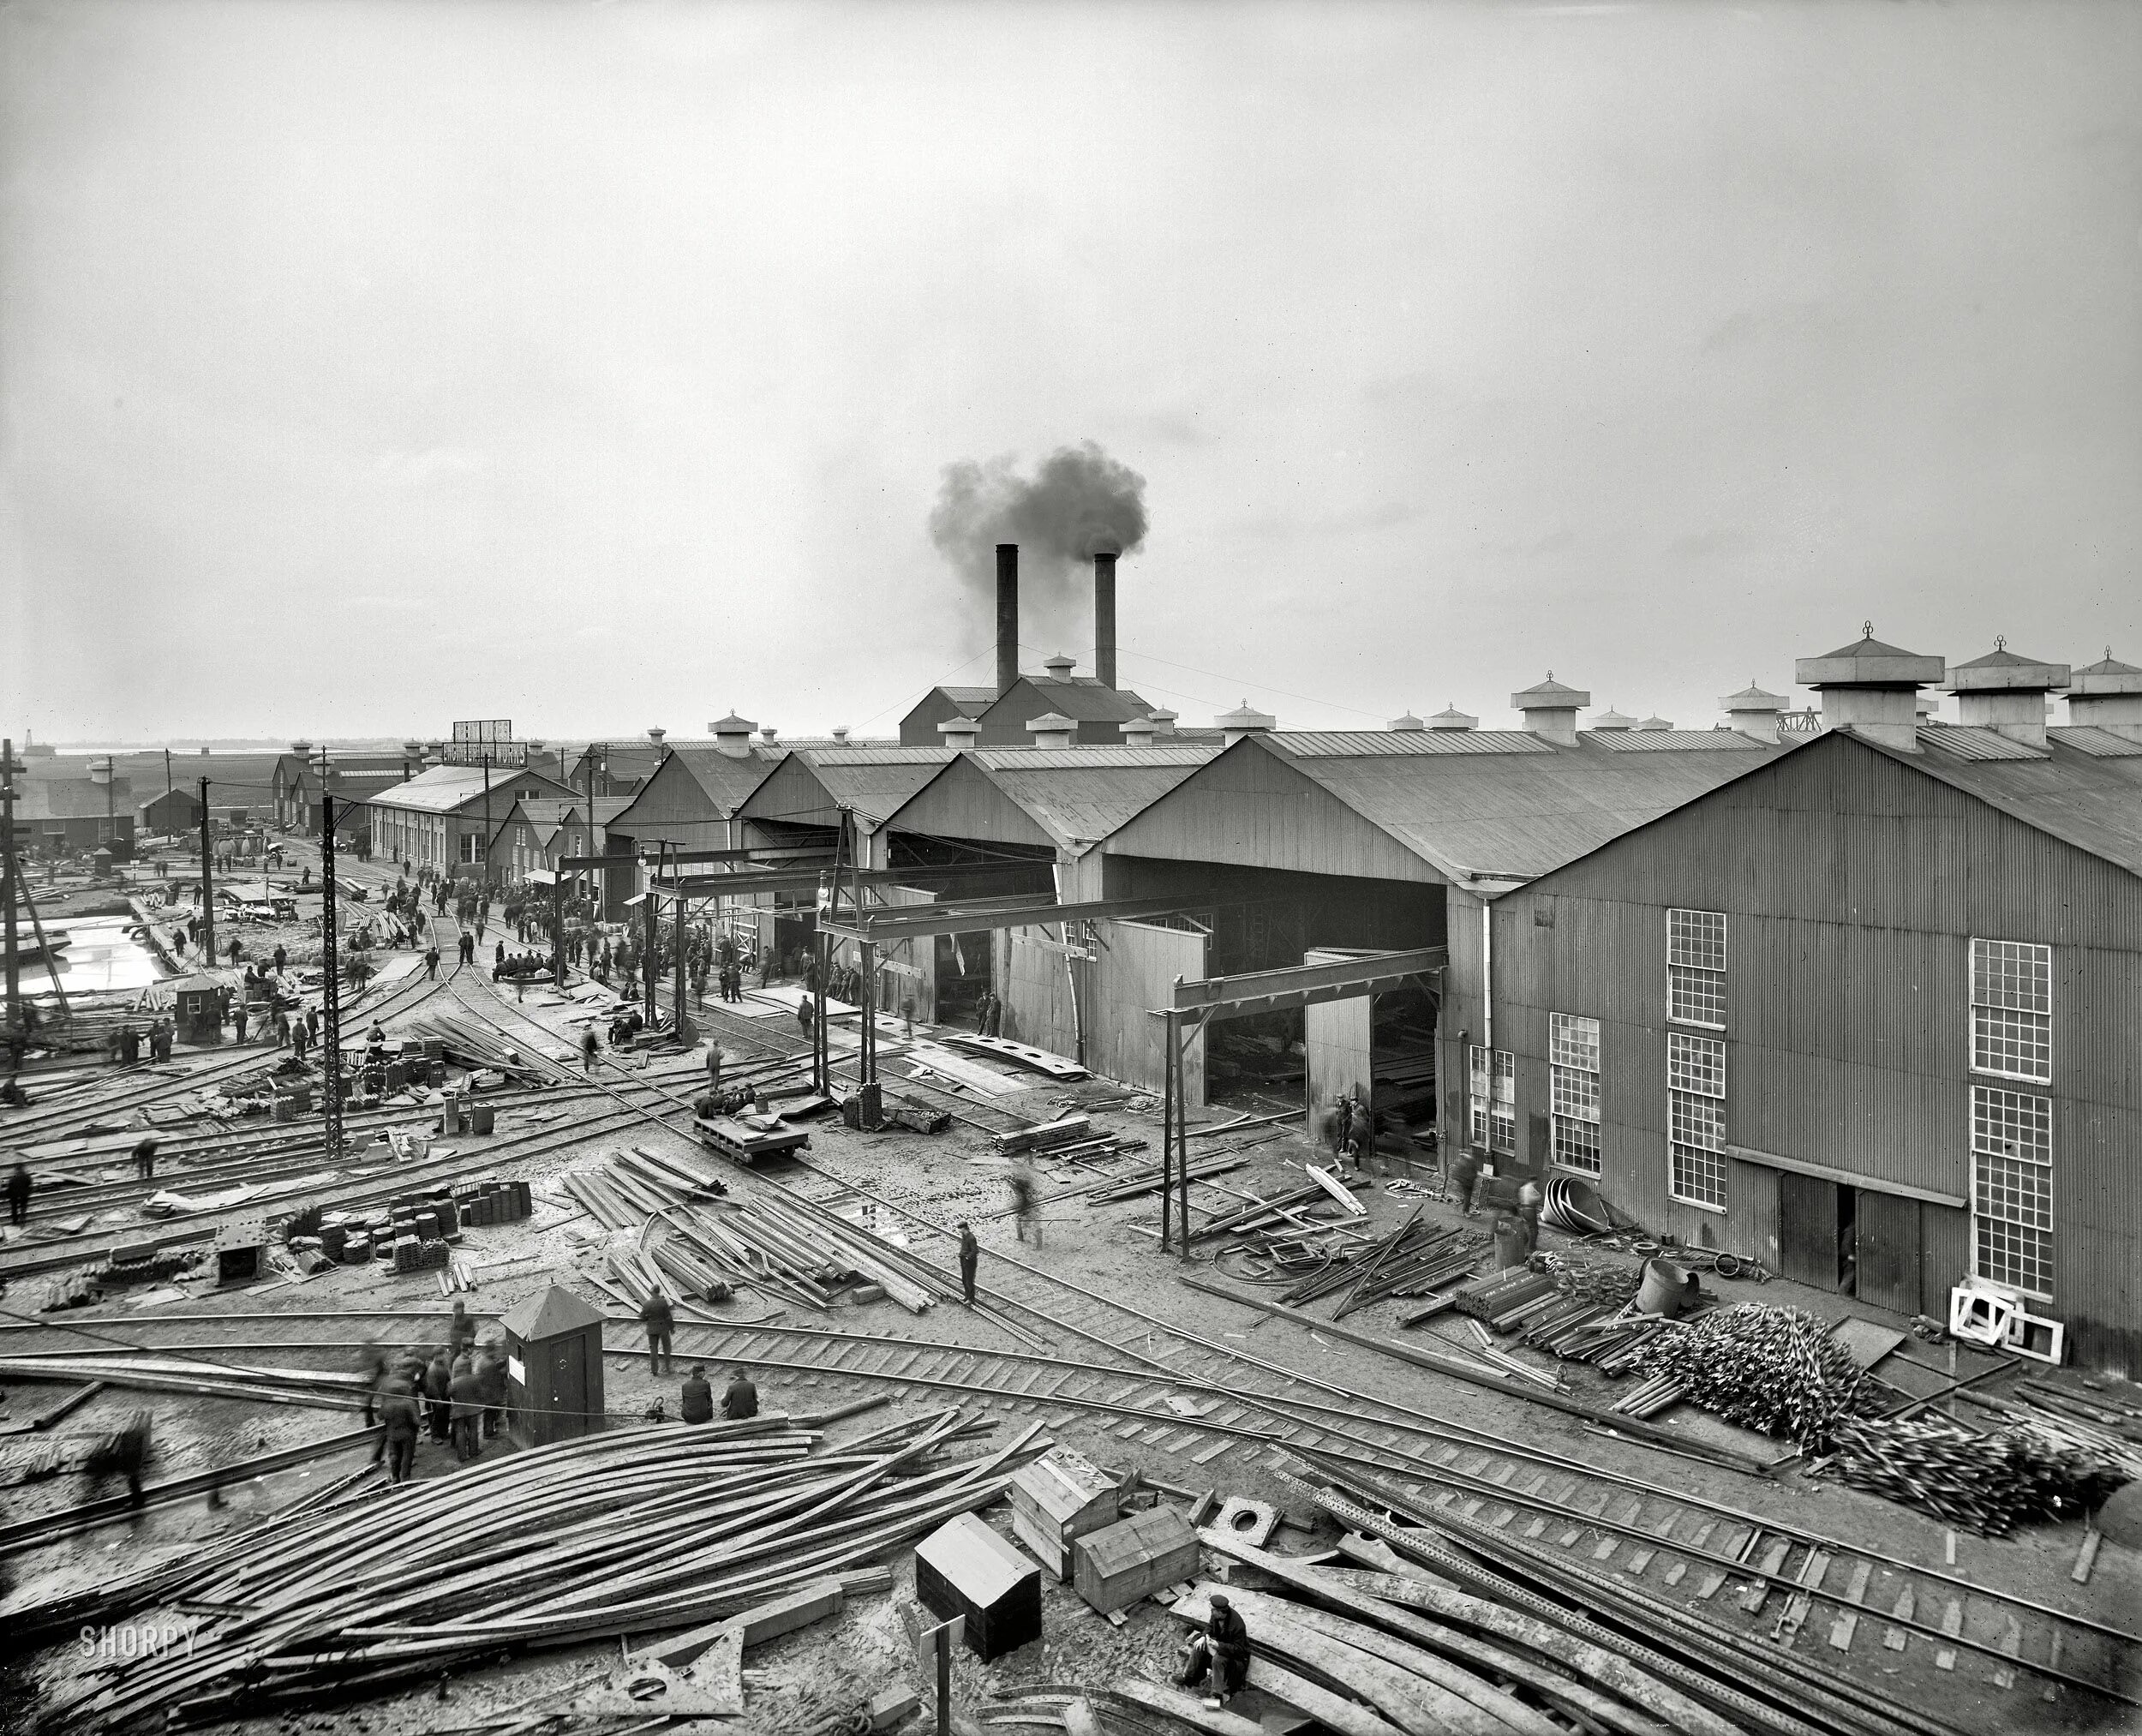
(969, 1257)
(655, 1316)
(1026, 1188)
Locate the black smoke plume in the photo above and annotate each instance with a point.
(1079, 502)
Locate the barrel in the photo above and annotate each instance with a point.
(1665, 1290)
(481, 1118)
(1513, 1245)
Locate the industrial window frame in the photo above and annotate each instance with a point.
(2012, 1009)
(1490, 1120)
(2012, 1237)
(1573, 1088)
(470, 855)
(1696, 967)
(1696, 1120)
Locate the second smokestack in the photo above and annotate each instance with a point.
(1007, 616)
(1105, 618)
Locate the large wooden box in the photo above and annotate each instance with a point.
(1059, 1497)
(1134, 1557)
(964, 1568)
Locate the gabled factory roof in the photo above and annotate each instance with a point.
(1664, 737)
(2099, 743)
(723, 781)
(1067, 797)
(447, 789)
(73, 798)
(2094, 804)
(813, 785)
(1424, 806)
(1083, 698)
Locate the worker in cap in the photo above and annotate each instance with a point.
(1026, 1188)
(490, 1376)
(1222, 1652)
(398, 1416)
(1464, 1177)
(461, 1331)
(660, 1321)
(465, 1395)
(740, 1399)
(696, 1403)
(969, 1257)
(145, 1156)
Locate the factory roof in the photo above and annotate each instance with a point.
(71, 798)
(726, 780)
(1454, 806)
(2094, 804)
(1083, 698)
(1664, 737)
(1073, 796)
(446, 789)
(813, 785)
(2099, 743)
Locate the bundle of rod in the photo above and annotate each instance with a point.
(469, 1043)
(2073, 1427)
(1987, 1483)
(1611, 1342)
(1503, 1298)
(195, 1376)
(619, 1533)
(1776, 1370)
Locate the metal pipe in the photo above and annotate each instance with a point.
(1105, 617)
(1007, 616)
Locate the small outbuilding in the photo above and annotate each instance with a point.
(553, 1367)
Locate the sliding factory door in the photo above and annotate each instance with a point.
(1809, 1229)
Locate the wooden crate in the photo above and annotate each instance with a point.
(964, 1568)
(1061, 1496)
(1115, 1566)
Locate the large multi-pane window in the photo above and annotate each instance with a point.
(1696, 1103)
(2012, 1009)
(2012, 1187)
(1573, 1077)
(1696, 967)
(1492, 1120)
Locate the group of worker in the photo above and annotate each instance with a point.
(988, 1014)
(125, 1043)
(455, 1392)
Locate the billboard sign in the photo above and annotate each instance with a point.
(476, 740)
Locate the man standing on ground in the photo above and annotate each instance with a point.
(491, 1376)
(237, 1020)
(431, 963)
(713, 1067)
(465, 1393)
(590, 1047)
(661, 1323)
(740, 1400)
(18, 1195)
(397, 1413)
(461, 1331)
(144, 1157)
(282, 958)
(969, 1257)
(439, 1378)
(695, 1403)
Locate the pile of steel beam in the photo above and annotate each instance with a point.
(638, 1531)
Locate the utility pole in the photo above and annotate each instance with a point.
(207, 880)
(486, 822)
(7, 880)
(685, 1032)
(167, 771)
(649, 935)
(329, 973)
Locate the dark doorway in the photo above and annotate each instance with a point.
(1811, 1230)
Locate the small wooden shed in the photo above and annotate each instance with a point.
(553, 1368)
(198, 1002)
(964, 1568)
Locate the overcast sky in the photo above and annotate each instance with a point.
(368, 366)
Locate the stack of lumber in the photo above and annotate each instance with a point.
(691, 1242)
(1776, 1370)
(1067, 1130)
(620, 1533)
(1987, 1483)
(1415, 1259)
(468, 1044)
(1151, 1178)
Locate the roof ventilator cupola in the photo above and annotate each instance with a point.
(2007, 693)
(733, 735)
(2107, 696)
(1137, 732)
(1450, 717)
(1054, 730)
(1872, 689)
(961, 733)
(1550, 709)
(1753, 712)
(1243, 721)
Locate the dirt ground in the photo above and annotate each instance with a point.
(829, 1668)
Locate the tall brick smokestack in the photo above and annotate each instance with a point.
(1007, 616)
(1104, 616)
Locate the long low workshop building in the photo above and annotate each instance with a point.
(444, 817)
(1867, 1011)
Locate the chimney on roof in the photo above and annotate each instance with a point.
(960, 733)
(1055, 730)
(1871, 688)
(1243, 721)
(1007, 618)
(1408, 721)
(2108, 696)
(1450, 717)
(1164, 723)
(733, 735)
(1060, 667)
(1105, 617)
(1752, 712)
(2006, 693)
(1137, 732)
(1550, 709)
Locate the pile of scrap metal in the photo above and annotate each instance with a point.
(693, 1242)
(1776, 1370)
(1987, 1483)
(644, 1530)
(1297, 1216)
(1415, 1259)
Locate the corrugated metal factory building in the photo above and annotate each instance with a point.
(1869, 1012)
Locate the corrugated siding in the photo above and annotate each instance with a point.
(962, 802)
(1853, 888)
(1136, 972)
